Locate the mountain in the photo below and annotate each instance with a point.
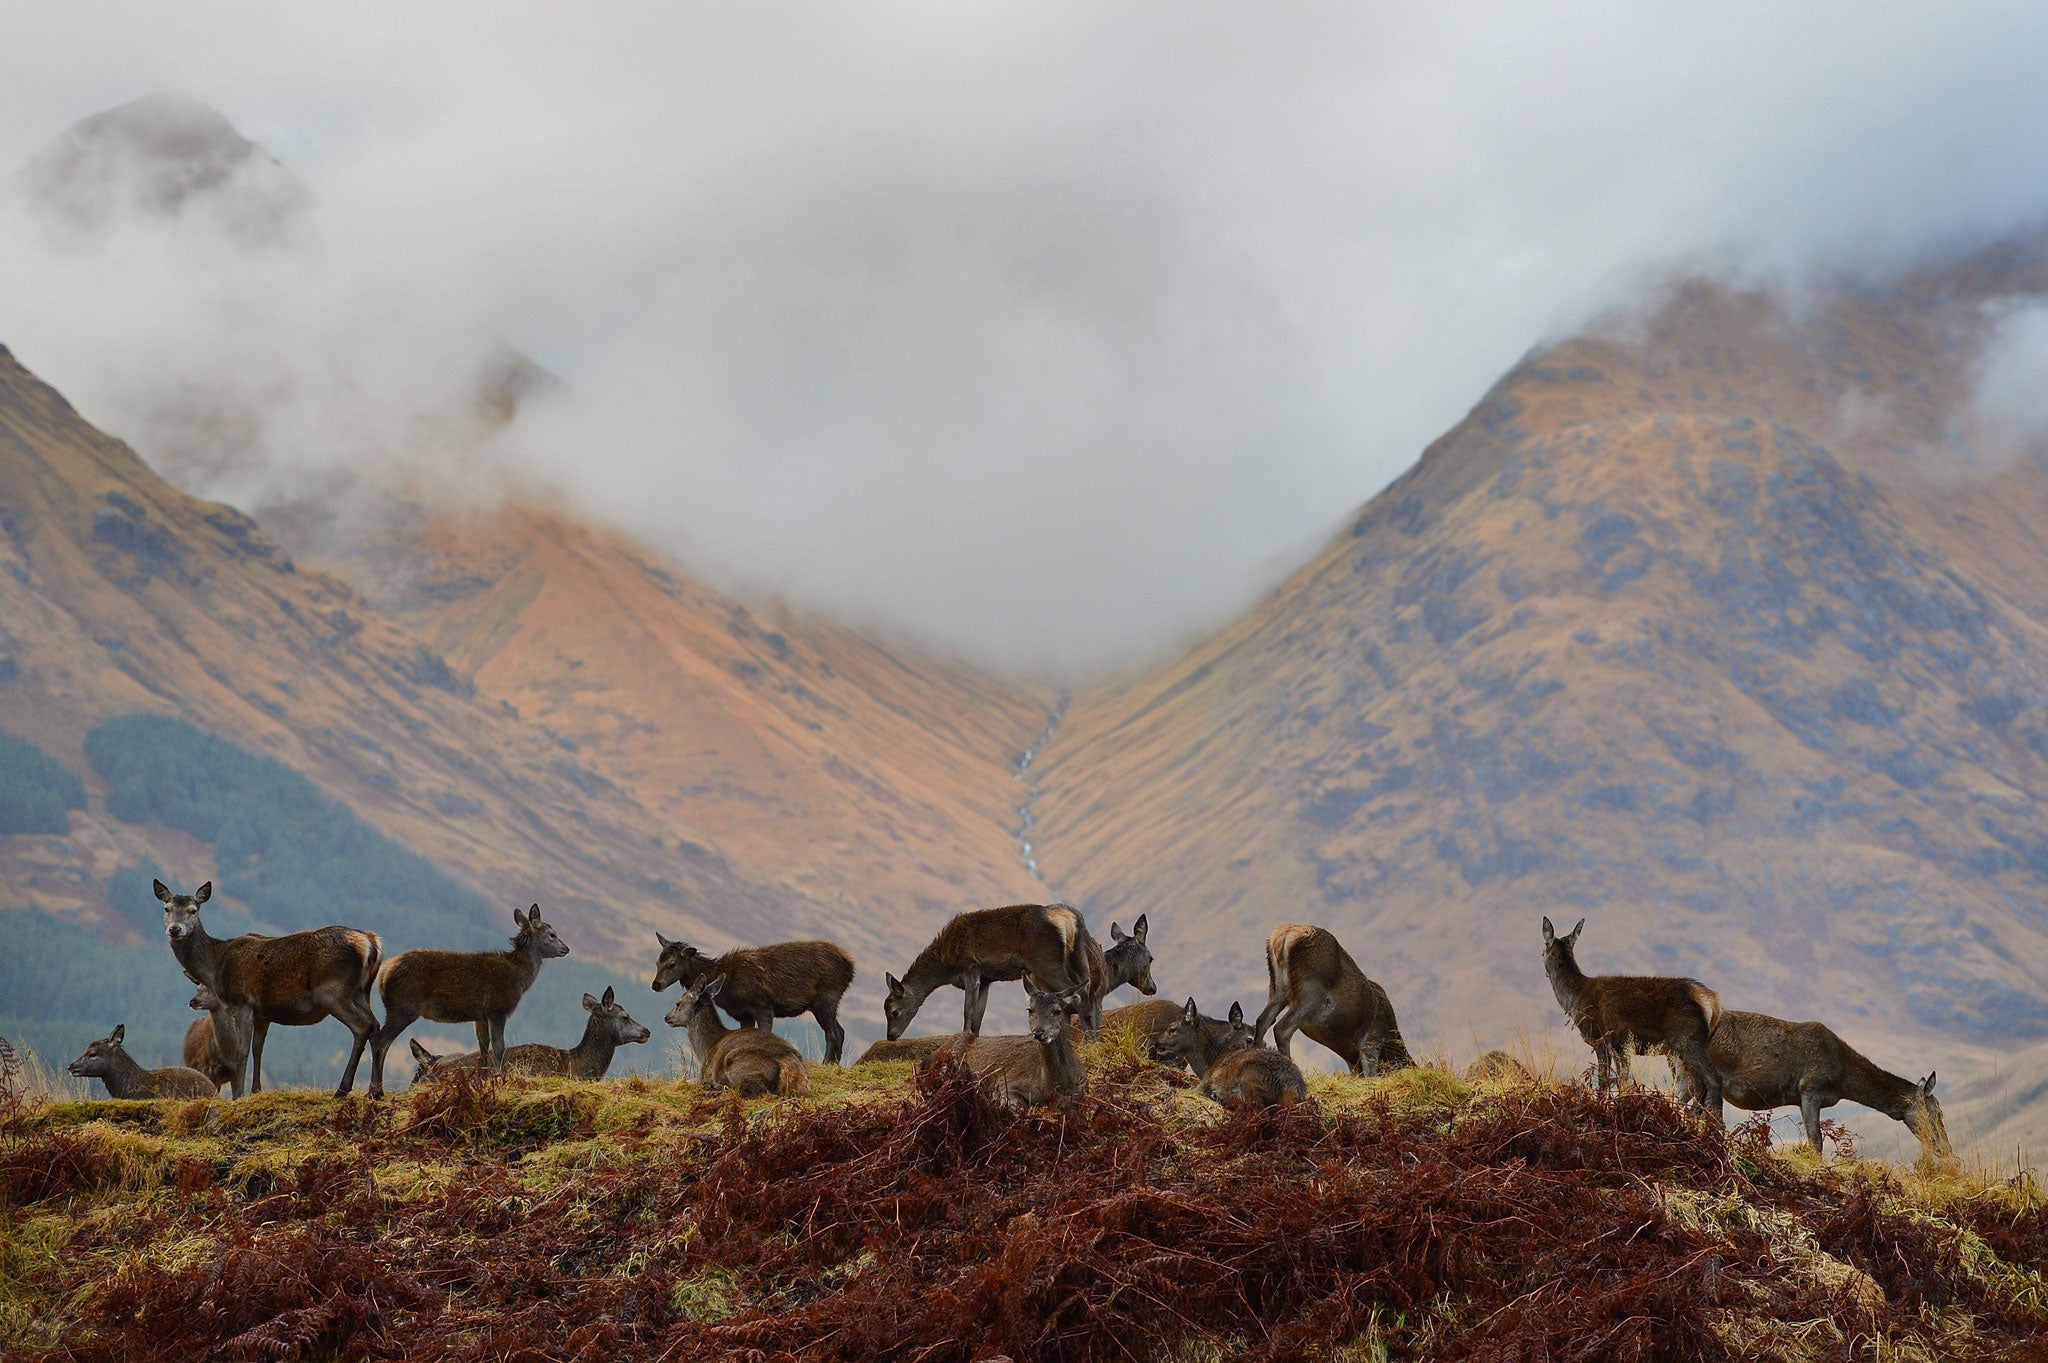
(1721, 630)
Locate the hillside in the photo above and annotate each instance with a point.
(1714, 630)
(891, 1216)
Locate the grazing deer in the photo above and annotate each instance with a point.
(1148, 1021)
(1230, 1074)
(610, 1027)
(217, 1044)
(107, 1062)
(294, 981)
(1314, 986)
(1766, 1062)
(1037, 1068)
(762, 984)
(1045, 943)
(482, 987)
(918, 1048)
(749, 1061)
(1497, 1067)
(1619, 1015)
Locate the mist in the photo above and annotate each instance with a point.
(1049, 334)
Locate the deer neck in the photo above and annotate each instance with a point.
(525, 958)
(198, 954)
(1062, 1062)
(1567, 981)
(1863, 1082)
(1207, 1050)
(706, 1031)
(125, 1077)
(592, 1056)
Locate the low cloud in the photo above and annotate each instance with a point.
(1051, 333)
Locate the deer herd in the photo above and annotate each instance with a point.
(246, 983)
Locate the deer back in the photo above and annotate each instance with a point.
(918, 1048)
(1646, 1010)
(786, 976)
(1048, 942)
(280, 975)
(753, 1062)
(1256, 1076)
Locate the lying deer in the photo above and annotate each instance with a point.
(1034, 1069)
(1148, 1021)
(610, 1026)
(482, 987)
(918, 1048)
(1497, 1067)
(217, 1044)
(749, 1061)
(1766, 1062)
(1230, 1074)
(1623, 1014)
(762, 984)
(106, 1061)
(294, 981)
(1045, 943)
(1314, 986)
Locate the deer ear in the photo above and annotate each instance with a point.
(609, 997)
(1116, 934)
(1549, 933)
(890, 980)
(1572, 938)
(715, 988)
(1927, 1084)
(1236, 1012)
(203, 893)
(1138, 928)
(519, 917)
(1189, 1013)
(120, 1030)
(662, 941)
(163, 891)
(589, 1004)
(419, 1053)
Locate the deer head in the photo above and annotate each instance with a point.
(896, 1008)
(699, 996)
(204, 999)
(1129, 958)
(1048, 1014)
(181, 911)
(425, 1062)
(1923, 1119)
(679, 963)
(100, 1058)
(614, 1023)
(535, 935)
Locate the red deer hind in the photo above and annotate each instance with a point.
(1034, 1069)
(107, 1061)
(1230, 1073)
(1314, 986)
(749, 1061)
(294, 981)
(1766, 1062)
(762, 984)
(1620, 1015)
(1045, 943)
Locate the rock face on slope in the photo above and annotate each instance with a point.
(1693, 631)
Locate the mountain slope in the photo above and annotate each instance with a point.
(1689, 630)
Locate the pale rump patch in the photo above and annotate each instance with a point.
(1709, 1002)
(384, 973)
(1068, 922)
(1279, 945)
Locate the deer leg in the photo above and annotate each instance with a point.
(396, 1020)
(977, 1002)
(496, 1052)
(827, 1015)
(1703, 1081)
(1275, 1004)
(1809, 1113)
(1283, 1032)
(256, 1036)
(1603, 1060)
(362, 1024)
(1371, 1059)
(245, 1025)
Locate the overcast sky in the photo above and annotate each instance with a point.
(1051, 332)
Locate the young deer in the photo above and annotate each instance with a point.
(749, 1061)
(1314, 986)
(1128, 961)
(1766, 1062)
(482, 987)
(1619, 1015)
(1230, 1074)
(294, 981)
(608, 1028)
(762, 984)
(217, 1044)
(1037, 1068)
(1046, 943)
(107, 1062)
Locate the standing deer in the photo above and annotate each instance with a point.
(294, 981)
(749, 1061)
(1230, 1074)
(106, 1061)
(1045, 943)
(217, 1044)
(1766, 1062)
(1034, 1069)
(762, 984)
(1619, 1015)
(610, 1026)
(482, 987)
(1314, 986)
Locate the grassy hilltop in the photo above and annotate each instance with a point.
(900, 1215)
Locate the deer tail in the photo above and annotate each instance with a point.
(791, 1078)
(371, 948)
(1709, 1002)
(1278, 942)
(1073, 946)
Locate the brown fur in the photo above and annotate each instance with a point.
(294, 981)
(198, 1053)
(1313, 986)
(1232, 1071)
(482, 987)
(218, 1043)
(1623, 1014)
(918, 1048)
(1765, 1062)
(1498, 1067)
(1035, 1069)
(762, 984)
(1045, 943)
(106, 1061)
(746, 1060)
(610, 1026)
